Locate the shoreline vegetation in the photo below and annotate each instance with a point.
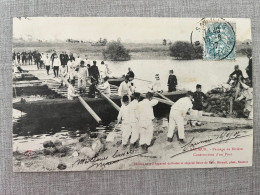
(131, 51)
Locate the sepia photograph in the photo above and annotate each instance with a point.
(127, 93)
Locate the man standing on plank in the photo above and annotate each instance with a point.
(82, 77)
(94, 72)
(63, 73)
(56, 65)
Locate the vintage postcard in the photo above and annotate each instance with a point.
(119, 93)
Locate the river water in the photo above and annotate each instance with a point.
(189, 72)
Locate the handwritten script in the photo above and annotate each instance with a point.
(103, 162)
(223, 137)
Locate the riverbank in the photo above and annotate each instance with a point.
(138, 51)
(81, 152)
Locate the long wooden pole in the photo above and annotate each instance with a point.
(161, 100)
(143, 80)
(163, 96)
(110, 101)
(93, 114)
(88, 108)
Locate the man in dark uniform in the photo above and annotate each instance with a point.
(71, 57)
(94, 72)
(172, 82)
(92, 90)
(37, 58)
(18, 57)
(52, 58)
(30, 57)
(23, 57)
(66, 58)
(130, 74)
(249, 68)
(62, 58)
(198, 98)
(236, 75)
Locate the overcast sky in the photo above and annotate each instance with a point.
(128, 29)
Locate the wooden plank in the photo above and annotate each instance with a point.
(238, 121)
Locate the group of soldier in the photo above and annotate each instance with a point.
(136, 116)
(27, 57)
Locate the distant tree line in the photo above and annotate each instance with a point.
(185, 51)
(116, 51)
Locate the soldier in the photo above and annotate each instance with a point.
(146, 117)
(94, 72)
(56, 65)
(123, 116)
(63, 73)
(30, 57)
(71, 91)
(82, 77)
(172, 82)
(103, 71)
(178, 111)
(124, 88)
(249, 69)
(134, 120)
(18, 57)
(130, 74)
(198, 98)
(92, 89)
(236, 75)
(105, 87)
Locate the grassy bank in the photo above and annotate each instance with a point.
(143, 51)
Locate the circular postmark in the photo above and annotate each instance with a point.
(218, 38)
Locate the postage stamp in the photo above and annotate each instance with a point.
(219, 40)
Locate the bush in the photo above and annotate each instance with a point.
(185, 51)
(116, 51)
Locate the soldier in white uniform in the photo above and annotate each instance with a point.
(124, 88)
(123, 116)
(71, 70)
(177, 114)
(157, 84)
(63, 73)
(71, 91)
(146, 117)
(134, 120)
(103, 72)
(82, 77)
(105, 87)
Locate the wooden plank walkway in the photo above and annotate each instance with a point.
(55, 84)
